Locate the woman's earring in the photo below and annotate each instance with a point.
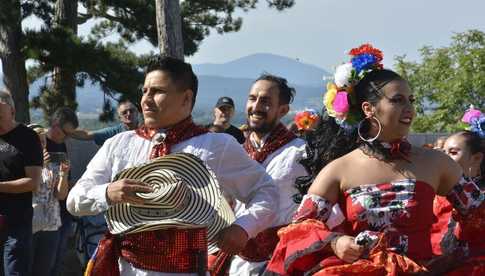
(369, 140)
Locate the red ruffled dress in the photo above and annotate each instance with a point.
(391, 220)
(453, 240)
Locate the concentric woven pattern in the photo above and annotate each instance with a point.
(186, 195)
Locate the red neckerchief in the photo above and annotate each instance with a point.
(278, 137)
(180, 132)
(398, 149)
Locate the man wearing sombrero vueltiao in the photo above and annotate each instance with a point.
(169, 94)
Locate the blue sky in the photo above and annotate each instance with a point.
(320, 32)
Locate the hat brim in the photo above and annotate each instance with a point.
(224, 104)
(206, 206)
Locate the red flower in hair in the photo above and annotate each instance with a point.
(305, 120)
(367, 49)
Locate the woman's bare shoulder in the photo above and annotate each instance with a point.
(327, 182)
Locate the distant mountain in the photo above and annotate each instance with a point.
(252, 66)
(90, 97)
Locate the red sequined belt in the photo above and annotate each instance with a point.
(169, 251)
(260, 248)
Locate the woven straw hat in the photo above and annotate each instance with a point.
(185, 195)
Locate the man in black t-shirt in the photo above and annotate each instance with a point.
(20, 173)
(223, 113)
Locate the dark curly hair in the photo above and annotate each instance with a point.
(330, 141)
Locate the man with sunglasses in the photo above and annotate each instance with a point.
(128, 116)
(61, 123)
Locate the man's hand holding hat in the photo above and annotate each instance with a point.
(123, 191)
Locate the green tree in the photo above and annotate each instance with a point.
(446, 81)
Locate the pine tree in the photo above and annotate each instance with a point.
(13, 61)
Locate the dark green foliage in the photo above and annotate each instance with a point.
(447, 81)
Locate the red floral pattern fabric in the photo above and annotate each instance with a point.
(457, 235)
(466, 196)
(396, 213)
(313, 207)
(443, 238)
(391, 210)
(378, 207)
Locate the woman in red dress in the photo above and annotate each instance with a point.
(369, 211)
(466, 148)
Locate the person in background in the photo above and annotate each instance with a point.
(216, 128)
(62, 122)
(129, 120)
(223, 113)
(20, 174)
(439, 143)
(45, 202)
(467, 148)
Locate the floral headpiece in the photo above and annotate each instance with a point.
(476, 119)
(305, 120)
(340, 100)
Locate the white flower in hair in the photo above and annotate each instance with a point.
(343, 74)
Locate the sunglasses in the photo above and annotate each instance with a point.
(131, 110)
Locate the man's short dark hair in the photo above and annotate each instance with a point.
(287, 93)
(64, 115)
(180, 72)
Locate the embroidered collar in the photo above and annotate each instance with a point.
(278, 137)
(164, 139)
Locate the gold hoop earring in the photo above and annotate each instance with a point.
(369, 140)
